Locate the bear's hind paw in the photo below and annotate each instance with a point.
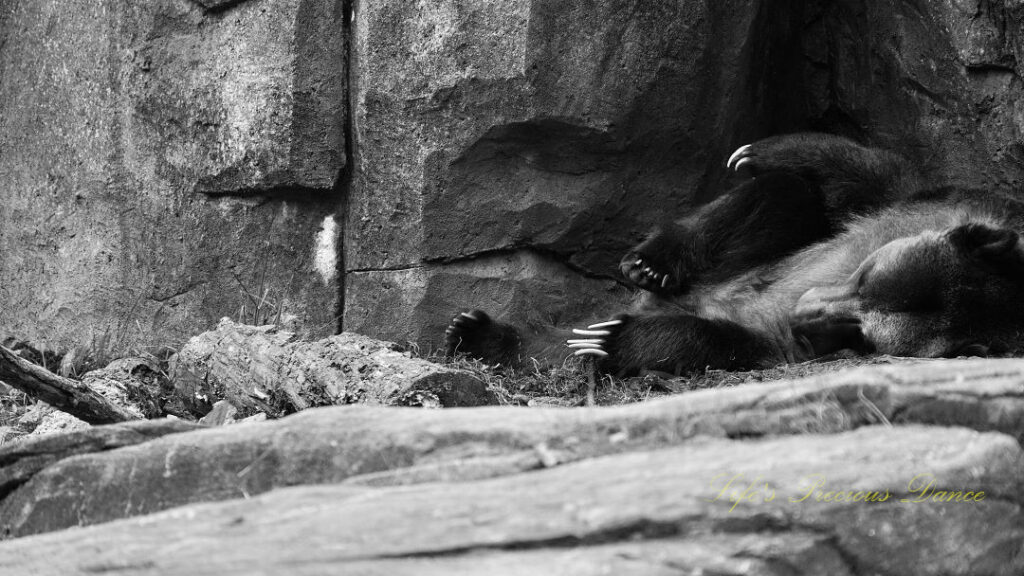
(645, 275)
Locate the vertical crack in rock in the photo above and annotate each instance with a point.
(217, 5)
(344, 187)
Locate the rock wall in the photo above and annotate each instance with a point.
(506, 154)
(168, 163)
(938, 81)
(163, 165)
(597, 120)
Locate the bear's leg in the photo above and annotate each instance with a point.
(674, 343)
(853, 178)
(757, 222)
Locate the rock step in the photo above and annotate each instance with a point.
(373, 446)
(665, 511)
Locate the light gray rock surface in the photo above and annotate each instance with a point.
(163, 167)
(371, 446)
(795, 505)
(21, 460)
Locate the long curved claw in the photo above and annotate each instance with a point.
(460, 321)
(605, 324)
(593, 346)
(738, 157)
(581, 332)
(585, 343)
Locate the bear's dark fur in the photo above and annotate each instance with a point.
(830, 246)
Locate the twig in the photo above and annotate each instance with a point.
(592, 377)
(64, 394)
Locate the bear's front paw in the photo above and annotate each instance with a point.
(599, 338)
(612, 344)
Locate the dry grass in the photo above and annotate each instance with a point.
(566, 385)
(540, 385)
(13, 405)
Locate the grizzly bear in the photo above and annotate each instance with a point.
(829, 246)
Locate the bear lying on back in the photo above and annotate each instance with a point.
(830, 246)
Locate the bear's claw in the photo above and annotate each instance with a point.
(592, 346)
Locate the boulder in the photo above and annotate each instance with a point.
(54, 421)
(374, 446)
(912, 501)
(222, 413)
(42, 419)
(21, 460)
(165, 166)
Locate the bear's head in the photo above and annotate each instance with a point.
(939, 293)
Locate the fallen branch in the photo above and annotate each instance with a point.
(264, 369)
(64, 394)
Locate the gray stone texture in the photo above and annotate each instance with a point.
(662, 511)
(561, 131)
(546, 136)
(938, 82)
(376, 447)
(168, 163)
(21, 460)
(163, 166)
(635, 489)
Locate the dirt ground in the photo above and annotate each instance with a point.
(566, 385)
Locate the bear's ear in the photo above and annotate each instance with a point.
(999, 247)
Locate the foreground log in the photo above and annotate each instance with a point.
(667, 511)
(71, 396)
(263, 369)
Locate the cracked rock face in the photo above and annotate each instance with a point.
(542, 138)
(125, 125)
